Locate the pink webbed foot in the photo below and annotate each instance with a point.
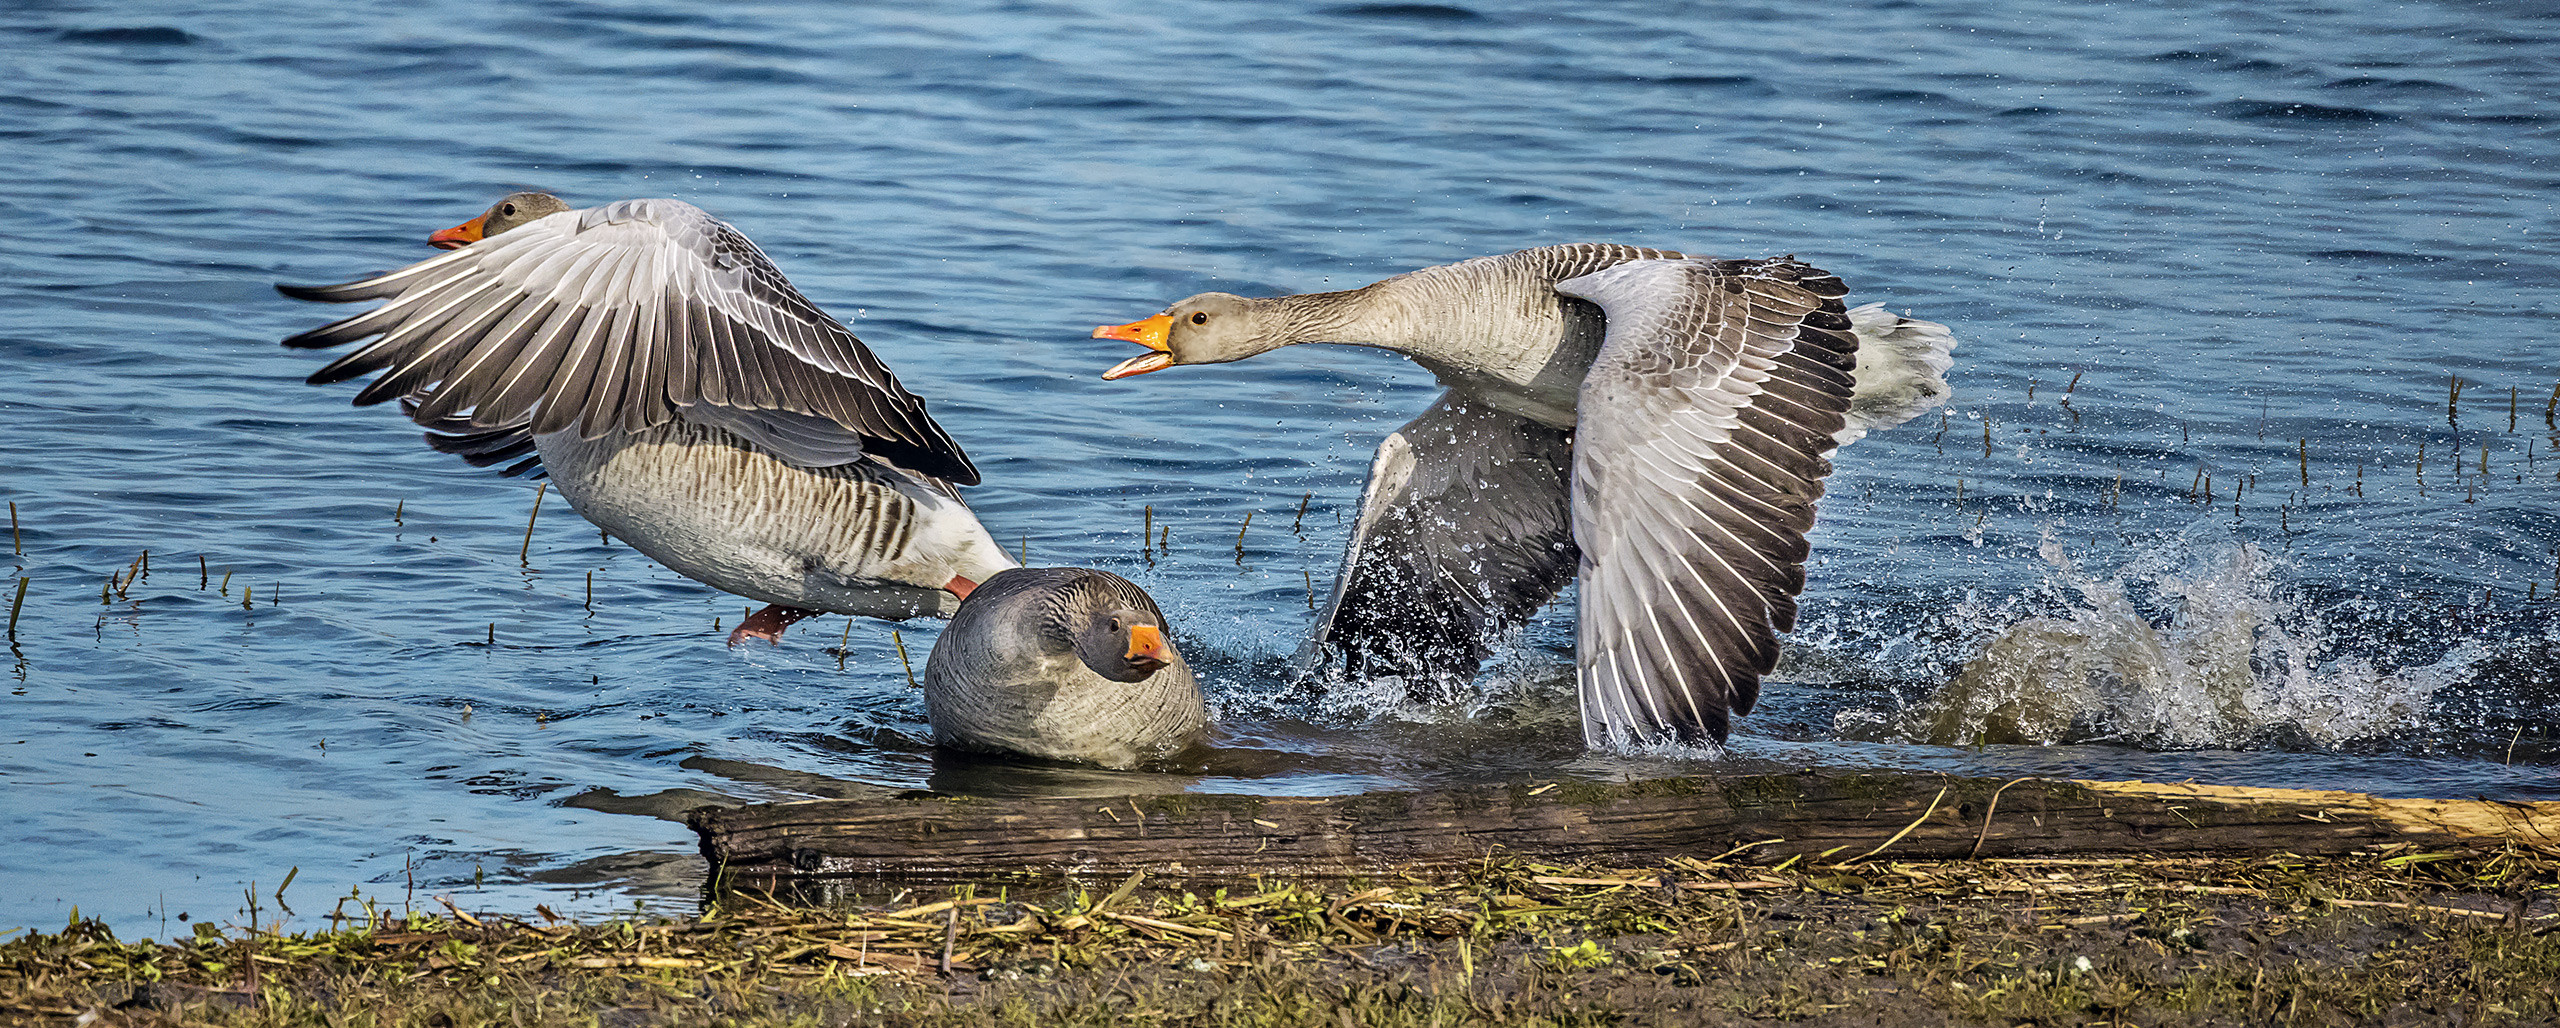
(768, 624)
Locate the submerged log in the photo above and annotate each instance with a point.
(1758, 818)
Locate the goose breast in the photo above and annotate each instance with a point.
(1065, 664)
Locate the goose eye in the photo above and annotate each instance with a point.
(1116, 625)
(1199, 317)
(507, 209)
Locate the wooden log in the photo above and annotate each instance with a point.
(1761, 818)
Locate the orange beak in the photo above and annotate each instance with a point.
(1146, 646)
(461, 235)
(1146, 332)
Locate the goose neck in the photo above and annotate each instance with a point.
(1354, 316)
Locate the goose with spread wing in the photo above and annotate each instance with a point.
(683, 397)
(1657, 424)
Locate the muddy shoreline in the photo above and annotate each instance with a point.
(2396, 937)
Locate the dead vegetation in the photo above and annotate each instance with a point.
(2404, 937)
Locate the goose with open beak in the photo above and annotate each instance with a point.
(1657, 424)
(1146, 332)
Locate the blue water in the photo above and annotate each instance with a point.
(2248, 241)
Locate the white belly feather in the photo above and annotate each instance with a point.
(859, 538)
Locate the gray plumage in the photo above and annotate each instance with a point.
(1031, 665)
(1699, 400)
(619, 318)
(1706, 424)
(856, 538)
(681, 395)
(1463, 533)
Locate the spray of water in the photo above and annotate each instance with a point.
(2193, 644)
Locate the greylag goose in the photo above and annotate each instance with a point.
(1062, 663)
(1656, 423)
(684, 398)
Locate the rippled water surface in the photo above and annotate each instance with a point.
(2201, 508)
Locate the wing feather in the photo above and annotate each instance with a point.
(1703, 440)
(394, 344)
(477, 370)
(683, 375)
(513, 398)
(426, 362)
(617, 318)
(1463, 532)
(565, 395)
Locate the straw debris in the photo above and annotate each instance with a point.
(2390, 937)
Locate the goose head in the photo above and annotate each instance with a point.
(1122, 644)
(1211, 328)
(516, 209)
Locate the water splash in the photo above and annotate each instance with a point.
(2194, 644)
(1521, 683)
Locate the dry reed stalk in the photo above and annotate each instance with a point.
(525, 556)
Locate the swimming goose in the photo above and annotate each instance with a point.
(1062, 663)
(1655, 423)
(684, 398)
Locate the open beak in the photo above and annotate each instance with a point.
(1147, 648)
(461, 235)
(1146, 332)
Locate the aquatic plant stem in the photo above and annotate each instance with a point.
(525, 555)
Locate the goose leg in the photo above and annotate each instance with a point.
(767, 624)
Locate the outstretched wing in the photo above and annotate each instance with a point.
(1463, 533)
(618, 318)
(1704, 434)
